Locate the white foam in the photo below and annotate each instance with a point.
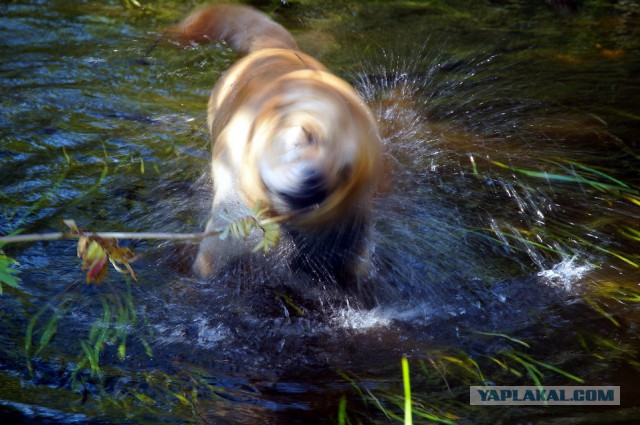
(350, 318)
(210, 336)
(566, 273)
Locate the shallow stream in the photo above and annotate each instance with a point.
(505, 243)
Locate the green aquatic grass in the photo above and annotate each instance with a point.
(630, 233)
(431, 412)
(49, 331)
(289, 303)
(182, 391)
(443, 397)
(406, 383)
(568, 239)
(533, 372)
(605, 350)
(613, 253)
(463, 366)
(527, 361)
(342, 411)
(407, 405)
(619, 292)
(565, 239)
(45, 198)
(501, 335)
(92, 355)
(622, 113)
(505, 366)
(368, 396)
(526, 243)
(468, 364)
(98, 336)
(596, 172)
(614, 348)
(28, 338)
(598, 308)
(588, 244)
(8, 272)
(99, 183)
(528, 358)
(113, 328)
(569, 178)
(46, 332)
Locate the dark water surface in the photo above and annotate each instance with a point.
(505, 245)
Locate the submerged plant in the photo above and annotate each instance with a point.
(119, 319)
(439, 393)
(408, 418)
(572, 176)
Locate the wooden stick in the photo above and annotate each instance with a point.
(113, 235)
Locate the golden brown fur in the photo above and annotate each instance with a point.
(287, 133)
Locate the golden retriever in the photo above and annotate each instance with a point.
(288, 134)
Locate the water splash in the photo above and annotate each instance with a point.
(566, 274)
(357, 319)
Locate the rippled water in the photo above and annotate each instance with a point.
(505, 245)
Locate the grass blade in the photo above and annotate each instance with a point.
(408, 420)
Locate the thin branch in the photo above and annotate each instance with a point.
(106, 235)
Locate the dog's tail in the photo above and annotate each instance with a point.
(243, 28)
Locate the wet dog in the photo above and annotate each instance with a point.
(288, 134)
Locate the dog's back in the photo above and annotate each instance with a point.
(244, 29)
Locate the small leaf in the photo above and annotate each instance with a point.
(147, 347)
(256, 208)
(95, 252)
(98, 270)
(48, 333)
(71, 224)
(517, 341)
(144, 398)
(122, 351)
(66, 155)
(7, 272)
(180, 397)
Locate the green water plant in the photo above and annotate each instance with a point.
(406, 382)
(8, 272)
(399, 407)
(342, 411)
(28, 339)
(439, 389)
(573, 176)
(112, 329)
